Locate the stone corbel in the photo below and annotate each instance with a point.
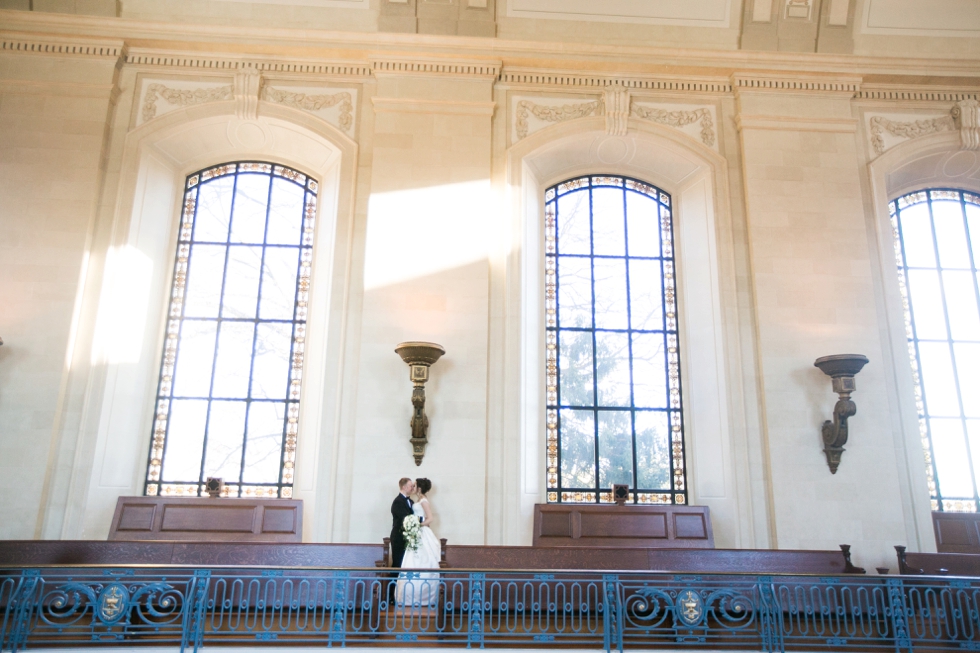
(248, 83)
(966, 117)
(617, 107)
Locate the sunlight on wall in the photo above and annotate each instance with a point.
(123, 306)
(417, 232)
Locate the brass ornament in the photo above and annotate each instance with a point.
(841, 369)
(419, 356)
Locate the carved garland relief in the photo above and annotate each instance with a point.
(964, 117)
(181, 97)
(553, 114)
(600, 107)
(314, 103)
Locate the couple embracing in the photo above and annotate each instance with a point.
(413, 544)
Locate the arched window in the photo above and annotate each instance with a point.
(937, 248)
(228, 397)
(613, 371)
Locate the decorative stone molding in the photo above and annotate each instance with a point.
(315, 103)
(616, 102)
(108, 49)
(537, 78)
(486, 69)
(799, 9)
(526, 108)
(966, 115)
(618, 106)
(147, 57)
(246, 87)
(679, 119)
(915, 94)
(180, 97)
(847, 86)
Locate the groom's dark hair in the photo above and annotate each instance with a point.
(403, 481)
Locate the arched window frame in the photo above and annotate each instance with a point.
(969, 203)
(157, 481)
(675, 490)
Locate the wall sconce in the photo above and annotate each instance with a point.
(419, 356)
(841, 369)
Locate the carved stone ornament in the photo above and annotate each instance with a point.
(964, 117)
(526, 108)
(617, 106)
(307, 102)
(247, 85)
(680, 119)
(181, 97)
(910, 129)
(616, 103)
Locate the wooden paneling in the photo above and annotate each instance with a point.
(207, 519)
(571, 524)
(759, 561)
(957, 532)
(25, 553)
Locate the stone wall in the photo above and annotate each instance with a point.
(780, 165)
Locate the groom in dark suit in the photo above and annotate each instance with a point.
(401, 508)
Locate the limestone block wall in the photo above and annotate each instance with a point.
(433, 153)
(54, 111)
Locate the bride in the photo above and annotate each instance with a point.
(422, 587)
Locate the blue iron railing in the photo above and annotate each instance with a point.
(72, 606)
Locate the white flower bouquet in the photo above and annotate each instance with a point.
(412, 530)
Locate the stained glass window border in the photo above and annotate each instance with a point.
(154, 484)
(556, 493)
(938, 501)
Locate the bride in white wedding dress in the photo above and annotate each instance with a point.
(420, 588)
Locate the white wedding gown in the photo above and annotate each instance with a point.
(420, 588)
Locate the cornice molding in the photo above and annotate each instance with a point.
(409, 105)
(590, 56)
(792, 123)
(53, 45)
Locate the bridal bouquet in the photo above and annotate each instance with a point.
(412, 530)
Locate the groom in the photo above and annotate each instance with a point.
(401, 508)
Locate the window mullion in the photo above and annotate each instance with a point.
(217, 334)
(952, 351)
(595, 348)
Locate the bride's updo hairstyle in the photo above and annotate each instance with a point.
(423, 485)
